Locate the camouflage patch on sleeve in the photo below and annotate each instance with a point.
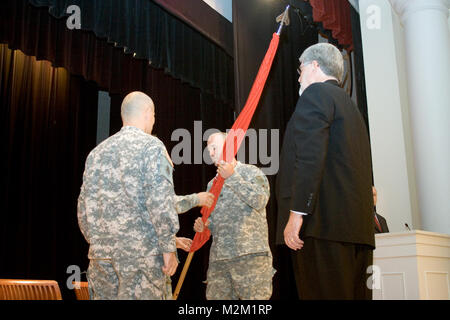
(166, 169)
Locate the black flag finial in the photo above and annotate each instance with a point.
(283, 19)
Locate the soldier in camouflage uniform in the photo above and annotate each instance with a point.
(240, 262)
(126, 210)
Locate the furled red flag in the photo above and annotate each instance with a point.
(236, 135)
(234, 140)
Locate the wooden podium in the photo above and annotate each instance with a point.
(411, 265)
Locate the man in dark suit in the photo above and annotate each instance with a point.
(325, 205)
(380, 222)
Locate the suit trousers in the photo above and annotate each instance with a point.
(332, 270)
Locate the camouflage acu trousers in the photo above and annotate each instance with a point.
(137, 279)
(247, 277)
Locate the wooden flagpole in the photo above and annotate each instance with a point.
(183, 275)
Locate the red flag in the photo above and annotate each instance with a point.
(236, 135)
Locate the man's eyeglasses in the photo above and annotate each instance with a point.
(299, 68)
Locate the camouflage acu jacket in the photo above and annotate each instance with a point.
(126, 204)
(238, 223)
(185, 203)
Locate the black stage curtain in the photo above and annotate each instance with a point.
(204, 19)
(360, 80)
(40, 237)
(143, 28)
(48, 121)
(254, 23)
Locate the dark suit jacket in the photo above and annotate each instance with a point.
(383, 224)
(325, 168)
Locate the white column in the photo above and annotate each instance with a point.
(389, 125)
(427, 48)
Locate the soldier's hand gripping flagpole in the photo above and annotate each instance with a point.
(234, 139)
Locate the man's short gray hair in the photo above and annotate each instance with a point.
(328, 57)
(220, 133)
(134, 105)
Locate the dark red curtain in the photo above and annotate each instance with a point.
(335, 16)
(48, 125)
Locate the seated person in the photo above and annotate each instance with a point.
(380, 222)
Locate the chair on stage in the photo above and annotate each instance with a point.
(15, 289)
(81, 290)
